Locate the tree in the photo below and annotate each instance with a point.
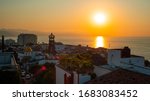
(80, 63)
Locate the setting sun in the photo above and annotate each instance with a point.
(99, 41)
(99, 18)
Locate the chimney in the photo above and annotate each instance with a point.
(3, 44)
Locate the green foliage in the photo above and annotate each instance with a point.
(80, 63)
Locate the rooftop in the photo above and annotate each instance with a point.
(136, 56)
(122, 76)
(5, 58)
(7, 62)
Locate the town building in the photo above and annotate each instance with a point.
(122, 58)
(8, 59)
(24, 39)
(10, 42)
(51, 47)
(70, 77)
(9, 69)
(118, 57)
(121, 76)
(122, 68)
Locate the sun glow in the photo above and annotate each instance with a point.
(99, 18)
(99, 41)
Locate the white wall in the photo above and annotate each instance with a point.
(13, 61)
(134, 63)
(114, 57)
(138, 67)
(137, 61)
(75, 79)
(60, 75)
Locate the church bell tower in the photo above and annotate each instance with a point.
(52, 44)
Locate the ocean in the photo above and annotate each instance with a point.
(139, 45)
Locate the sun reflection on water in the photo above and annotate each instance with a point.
(99, 41)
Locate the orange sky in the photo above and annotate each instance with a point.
(124, 17)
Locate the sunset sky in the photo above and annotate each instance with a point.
(123, 17)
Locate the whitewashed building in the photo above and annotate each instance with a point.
(66, 77)
(118, 59)
(8, 62)
(115, 59)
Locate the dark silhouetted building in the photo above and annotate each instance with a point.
(51, 48)
(125, 52)
(24, 39)
(9, 69)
